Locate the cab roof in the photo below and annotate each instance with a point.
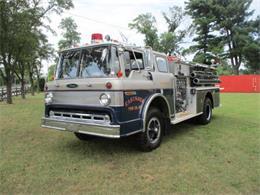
(127, 46)
(90, 45)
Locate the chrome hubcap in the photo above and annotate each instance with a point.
(154, 129)
(208, 109)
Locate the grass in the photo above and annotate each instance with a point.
(220, 158)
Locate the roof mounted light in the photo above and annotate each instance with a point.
(96, 38)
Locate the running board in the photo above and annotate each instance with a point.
(179, 117)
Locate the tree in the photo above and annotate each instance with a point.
(223, 24)
(252, 57)
(252, 50)
(70, 36)
(232, 21)
(24, 51)
(173, 17)
(145, 24)
(44, 52)
(204, 22)
(14, 24)
(170, 40)
(167, 42)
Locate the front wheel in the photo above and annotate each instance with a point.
(151, 138)
(206, 116)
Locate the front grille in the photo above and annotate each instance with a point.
(81, 117)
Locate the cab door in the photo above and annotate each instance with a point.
(163, 79)
(136, 75)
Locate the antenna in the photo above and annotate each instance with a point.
(123, 37)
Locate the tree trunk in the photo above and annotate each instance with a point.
(23, 88)
(9, 91)
(38, 83)
(236, 70)
(32, 83)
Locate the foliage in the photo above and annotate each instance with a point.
(145, 24)
(221, 24)
(51, 72)
(252, 56)
(233, 21)
(41, 84)
(206, 39)
(167, 42)
(23, 44)
(251, 50)
(170, 41)
(224, 69)
(70, 36)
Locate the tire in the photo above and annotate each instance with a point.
(151, 138)
(206, 116)
(83, 137)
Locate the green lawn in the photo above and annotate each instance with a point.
(220, 158)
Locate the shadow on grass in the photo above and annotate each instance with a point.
(102, 145)
(127, 145)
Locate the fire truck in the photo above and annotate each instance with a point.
(114, 90)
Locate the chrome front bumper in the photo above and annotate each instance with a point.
(102, 130)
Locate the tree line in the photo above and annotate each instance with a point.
(23, 45)
(225, 29)
(222, 29)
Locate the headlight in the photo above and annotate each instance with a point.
(48, 98)
(105, 99)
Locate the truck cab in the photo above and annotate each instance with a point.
(115, 90)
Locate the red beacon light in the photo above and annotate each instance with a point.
(96, 38)
(173, 59)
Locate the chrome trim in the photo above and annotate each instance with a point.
(131, 133)
(81, 117)
(82, 123)
(50, 127)
(108, 97)
(102, 130)
(147, 105)
(99, 134)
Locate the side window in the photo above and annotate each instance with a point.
(131, 63)
(138, 62)
(161, 64)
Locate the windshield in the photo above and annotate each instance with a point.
(89, 62)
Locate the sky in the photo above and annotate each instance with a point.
(111, 17)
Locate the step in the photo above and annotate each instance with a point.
(183, 116)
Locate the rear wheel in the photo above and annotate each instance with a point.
(83, 137)
(151, 138)
(205, 117)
